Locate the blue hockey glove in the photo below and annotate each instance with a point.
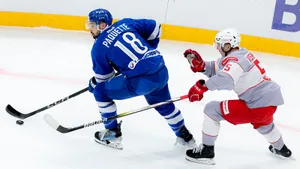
(92, 84)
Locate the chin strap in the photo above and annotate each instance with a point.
(95, 37)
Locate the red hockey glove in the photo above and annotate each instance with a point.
(195, 60)
(196, 91)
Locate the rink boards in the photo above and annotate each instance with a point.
(266, 26)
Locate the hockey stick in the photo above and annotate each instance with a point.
(55, 125)
(12, 111)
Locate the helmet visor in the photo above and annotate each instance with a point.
(89, 25)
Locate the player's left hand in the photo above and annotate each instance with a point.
(195, 60)
(92, 84)
(196, 91)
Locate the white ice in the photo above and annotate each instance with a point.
(40, 66)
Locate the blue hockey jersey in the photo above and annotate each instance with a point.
(129, 46)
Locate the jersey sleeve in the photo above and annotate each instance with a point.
(226, 78)
(210, 69)
(102, 69)
(149, 29)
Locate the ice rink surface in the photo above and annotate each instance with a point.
(39, 66)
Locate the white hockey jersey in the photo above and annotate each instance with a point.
(240, 71)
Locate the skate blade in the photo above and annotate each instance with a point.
(187, 145)
(282, 157)
(206, 161)
(118, 146)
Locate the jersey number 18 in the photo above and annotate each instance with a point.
(135, 43)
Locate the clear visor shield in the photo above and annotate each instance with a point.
(217, 45)
(91, 25)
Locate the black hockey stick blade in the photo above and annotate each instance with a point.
(12, 111)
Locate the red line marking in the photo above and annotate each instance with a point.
(288, 127)
(52, 78)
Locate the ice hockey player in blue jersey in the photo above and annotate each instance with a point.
(128, 47)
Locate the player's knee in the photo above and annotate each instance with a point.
(210, 127)
(266, 129)
(100, 94)
(213, 110)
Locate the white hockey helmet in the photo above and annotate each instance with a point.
(229, 35)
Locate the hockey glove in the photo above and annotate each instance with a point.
(196, 62)
(196, 91)
(92, 84)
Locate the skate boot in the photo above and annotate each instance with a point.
(186, 138)
(110, 137)
(203, 154)
(285, 152)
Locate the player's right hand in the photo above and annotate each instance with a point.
(195, 60)
(196, 91)
(92, 84)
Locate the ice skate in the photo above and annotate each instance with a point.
(203, 154)
(186, 138)
(111, 138)
(285, 152)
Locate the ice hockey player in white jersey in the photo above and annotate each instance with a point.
(259, 96)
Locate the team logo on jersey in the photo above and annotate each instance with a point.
(250, 57)
(132, 64)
